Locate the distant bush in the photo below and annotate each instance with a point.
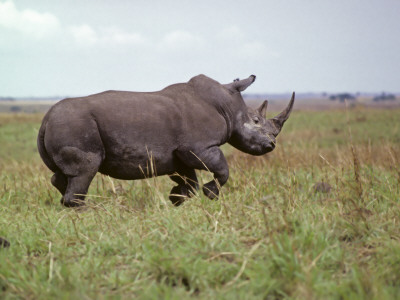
(15, 108)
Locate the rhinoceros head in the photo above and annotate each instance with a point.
(253, 132)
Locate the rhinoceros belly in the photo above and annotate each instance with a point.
(132, 163)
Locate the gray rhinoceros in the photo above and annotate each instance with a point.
(132, 135)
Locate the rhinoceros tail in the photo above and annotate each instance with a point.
(42, 149)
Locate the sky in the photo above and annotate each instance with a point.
(75, 48)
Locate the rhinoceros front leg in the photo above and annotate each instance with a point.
(187, 184)
(211, 159)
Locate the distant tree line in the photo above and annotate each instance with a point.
(341, 97)
(384, 97)
(7, 99)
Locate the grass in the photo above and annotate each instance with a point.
(270, 236)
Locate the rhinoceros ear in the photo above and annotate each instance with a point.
(240, 85)
(263, 109)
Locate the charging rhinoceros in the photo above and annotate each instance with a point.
(132, 135)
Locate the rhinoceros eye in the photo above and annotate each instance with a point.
(256, 120)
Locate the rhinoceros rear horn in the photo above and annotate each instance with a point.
(240, 85)
(280, 119)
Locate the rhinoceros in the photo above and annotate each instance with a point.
(136, 135)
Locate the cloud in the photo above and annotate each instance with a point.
(88, 36)
(84, 34)
(257, 49)
(180, 39)
(30, 22)
(116, 35)
(42, 25)
(241, 46)
(231, 33)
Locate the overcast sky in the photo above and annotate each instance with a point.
(70, 47)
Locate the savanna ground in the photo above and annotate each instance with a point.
(270, 236)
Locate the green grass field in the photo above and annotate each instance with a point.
(270, 236)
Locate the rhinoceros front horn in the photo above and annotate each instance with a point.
(280, 119)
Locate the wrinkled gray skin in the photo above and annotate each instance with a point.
(131, 135)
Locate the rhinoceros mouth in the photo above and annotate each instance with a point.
(268, 147)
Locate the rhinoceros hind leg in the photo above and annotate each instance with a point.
(76, 190)
(79, 167)
(60, 181)
(187, 185)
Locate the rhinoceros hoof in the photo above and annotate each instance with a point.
(211, 190)
(72, 203)
(4, 243)
(178, 194)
